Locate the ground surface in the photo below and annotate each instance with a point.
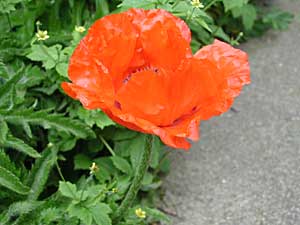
(246, 168)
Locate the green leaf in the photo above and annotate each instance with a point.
(67, 189)
(8, 87)
(47, 120)
(12, 182)
(203, 23)
(156, 152)
(81, 213)
(121, 164)
(248, 14)
(102, 8)
(40, 172)
(157, 215)
(47, 55)
(17, 209)
(278, 19)
(49, 215)
(92, 117)
(230, 4)
(6, 163)
(146, 4)
(3, 130)
(20, 145)
(136, 147)
(82, 162)
(62, 69)
(7, 6)
(100, 213)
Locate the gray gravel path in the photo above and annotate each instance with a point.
(246, 168)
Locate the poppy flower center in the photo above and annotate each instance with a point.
(137, 70)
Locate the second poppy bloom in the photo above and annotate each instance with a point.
(138, 67)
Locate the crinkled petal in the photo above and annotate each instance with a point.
(89, 99)
(144, 95)
(110, 44)
(164, 44)
(230, 72)
(191, 89)
(145, 126)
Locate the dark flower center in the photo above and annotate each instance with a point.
(138, 70)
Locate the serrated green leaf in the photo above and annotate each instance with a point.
(18, 209)
(230, 4)
(40, 172)
(136, 147)
(121, 164)
(3, 130)
(278, 19)
(8, 87)
(67, 189)
(81, 213)
(20, 145)
(12, 182)
(6, 163)
(47, 55)
(47, 120)
(92, 117)
(49, 215)
(100, 213)
(7, 6)
(27, 129)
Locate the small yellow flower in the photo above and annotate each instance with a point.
(42, 35)
(140, 213)
(80, 29)
(197, 4)
(94, 168)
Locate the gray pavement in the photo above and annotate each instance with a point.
(245, 170)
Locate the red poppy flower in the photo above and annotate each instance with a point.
(138, 67)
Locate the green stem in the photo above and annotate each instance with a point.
(107, 146)
(209, 5)
(63, 178)
(142, 168)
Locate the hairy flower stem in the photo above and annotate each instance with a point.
(142, 168)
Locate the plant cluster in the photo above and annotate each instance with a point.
(60, 163)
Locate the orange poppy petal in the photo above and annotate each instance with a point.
(139, 15)
(144, 95)
(110, 43)
(89, 99)
(163, 42)
(145, 126)
(230, 72)
(185, 128)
